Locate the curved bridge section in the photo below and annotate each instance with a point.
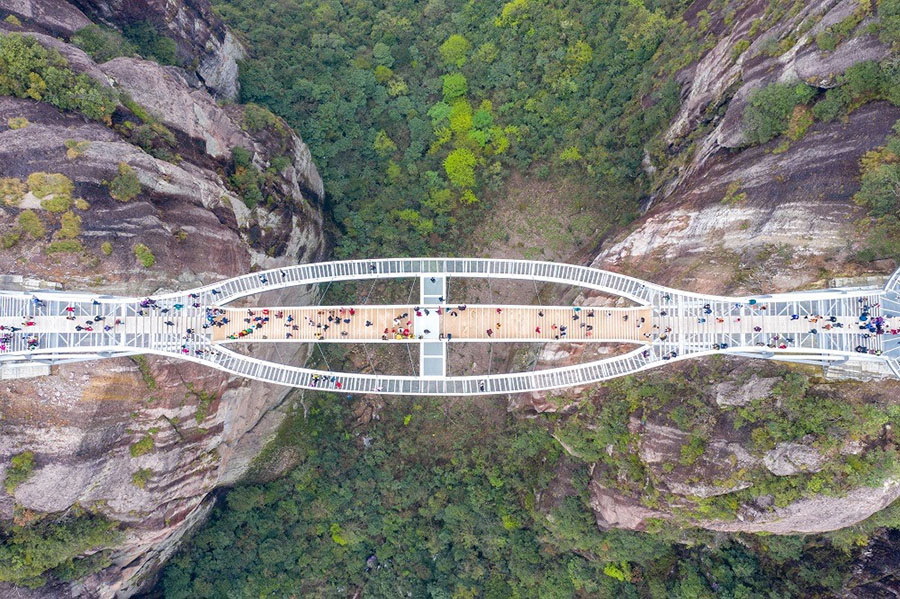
(836, 326)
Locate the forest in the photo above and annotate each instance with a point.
(417, 113)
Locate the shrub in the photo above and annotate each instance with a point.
(692, 450)
(144, 255)
(257, 118)
(246, 178)
(769, 110)
(10, 239)
(75, 148)
(889, 21)
(56, 203)
(460, 167)
(81, 204)
(827, 40)
(801, 120)
(13, 20)
(151, 43)
(102, 43)
(144, 446)
(68, 246)
(70, 226)
(12, 190)
(861, 83)
(107, 248)
(739, 48)
(125, 185)
(21, 466)
(17, 122)
(31, 224)
(29, 70)
(140, 478)
(50, 184)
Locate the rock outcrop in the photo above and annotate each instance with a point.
(732, 219)
(793, 458)
(199, 428)
(201, 37)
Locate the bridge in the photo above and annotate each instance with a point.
(662, 325)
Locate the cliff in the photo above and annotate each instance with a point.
(203, 191)
(731, 217)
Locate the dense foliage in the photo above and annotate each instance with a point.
(416, 114)
(29, 70)
(784, 108)
(56, 546)
(442, 502)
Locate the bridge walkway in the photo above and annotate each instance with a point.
(405, 323)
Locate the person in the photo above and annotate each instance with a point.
(481, 386)
(490, 333)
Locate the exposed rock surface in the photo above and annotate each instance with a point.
(818, 514)
(793, 458)
(733, 394)
(82, 421)
(615, 510)
(877, 575)
(200, 35)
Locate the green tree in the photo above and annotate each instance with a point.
(383, 144)
(460, 167)
(455, 50)
(454, 86)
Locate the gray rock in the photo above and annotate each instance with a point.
(81, 421)
(815, 515)
(615, 510)
(166, 95)
(788, 459)
(201, 37)
(57, 16)
(821, 68)
(732, 394)
(219, 70)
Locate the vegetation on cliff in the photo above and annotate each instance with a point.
(62, 545)
(29, 70)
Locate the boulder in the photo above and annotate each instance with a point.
(788, 459)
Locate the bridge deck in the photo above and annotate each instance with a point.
(511, 323)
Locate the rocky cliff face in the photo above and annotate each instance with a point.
(82, 421)
(726, 218)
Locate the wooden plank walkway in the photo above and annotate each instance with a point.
(401, 323)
